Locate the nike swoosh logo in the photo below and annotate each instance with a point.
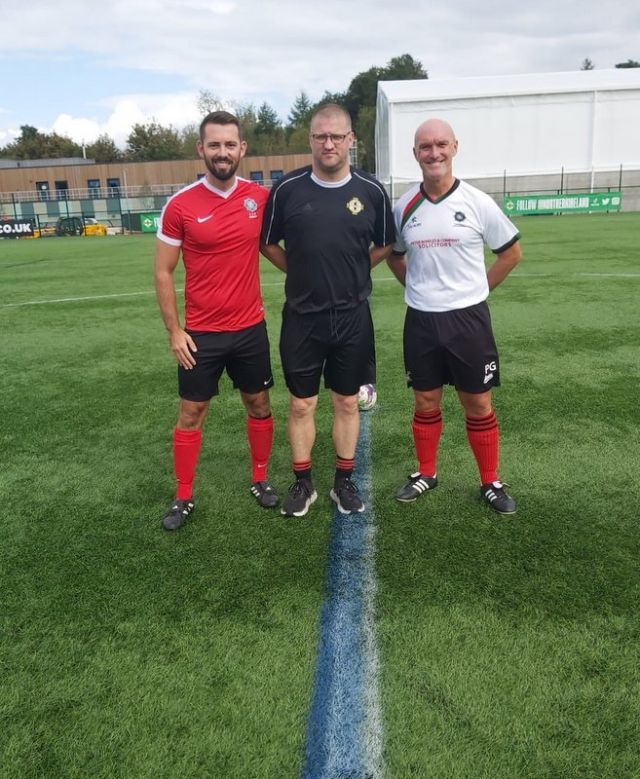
(202, 219)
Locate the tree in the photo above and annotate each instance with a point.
(268, 132)
(189, 137)
(247, 116)
(298, 141)
(403, 68)
(340, 98)
(363, 89)
(55, 146)
(103, 150)
(24, 145)
(366, 138)
(362, 94)
(628, 64)
(31, 144)
(587, 64)
(300, 113)
(268, 122)
(152, 141)
(208, 102)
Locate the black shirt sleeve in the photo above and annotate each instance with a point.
(272, 227)
(384, 231)
(385, 227)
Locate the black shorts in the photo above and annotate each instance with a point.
(244, 354)
(337, 343)
(451, 347)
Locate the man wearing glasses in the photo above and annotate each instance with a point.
(336, 224)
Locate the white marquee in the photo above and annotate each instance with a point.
(524, 124)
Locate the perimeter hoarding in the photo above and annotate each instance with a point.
(582, 202)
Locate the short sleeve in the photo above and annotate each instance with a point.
(385, 231)
(499, 230)
(399, 245)
(272, 223)
(171, 224)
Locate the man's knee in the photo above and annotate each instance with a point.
(345, 404)
(428, 400)
(191, 414)
(476, 404)
(301, 408)
(257, 405)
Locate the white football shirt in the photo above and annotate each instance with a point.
(444, 244)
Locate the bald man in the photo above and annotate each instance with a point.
(442, 226)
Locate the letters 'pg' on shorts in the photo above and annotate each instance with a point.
(244, 354)
(451, 347)
(338, 343)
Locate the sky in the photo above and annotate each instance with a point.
(81, 68)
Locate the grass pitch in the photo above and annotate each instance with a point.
(509, 646)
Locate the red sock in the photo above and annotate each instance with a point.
(483, 435)
(260, 436)
(427, 427)
(186, 450)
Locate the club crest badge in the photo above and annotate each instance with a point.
(251, 206)
(355, 206)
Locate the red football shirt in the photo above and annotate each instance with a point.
(219, 233)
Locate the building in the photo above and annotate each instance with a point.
(77, 178)
(533, 132)
(42, 191)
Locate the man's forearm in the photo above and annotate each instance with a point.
(504, 263)
(398, 266)
(166, 296)
(275, 254)
(379, 253)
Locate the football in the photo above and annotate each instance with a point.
(367, 397)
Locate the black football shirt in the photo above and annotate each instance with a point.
(327, 231)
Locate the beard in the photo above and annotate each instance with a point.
(222, 173)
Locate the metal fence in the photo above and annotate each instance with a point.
(100, 193)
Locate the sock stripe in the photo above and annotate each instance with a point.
(428, 417)
(480, 424)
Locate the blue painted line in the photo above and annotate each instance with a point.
(339, 736)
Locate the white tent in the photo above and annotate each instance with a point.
(515, 125)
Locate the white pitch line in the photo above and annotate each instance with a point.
(280, 283)
(519, 275)
(74, 300)
(103, 297)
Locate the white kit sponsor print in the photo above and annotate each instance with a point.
(489, 371)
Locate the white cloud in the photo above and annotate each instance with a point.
(252, 50)
(175, 110)
(8, 136)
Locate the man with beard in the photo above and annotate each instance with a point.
(336, 223)
(215, 224)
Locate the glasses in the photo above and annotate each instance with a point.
(335, 138)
